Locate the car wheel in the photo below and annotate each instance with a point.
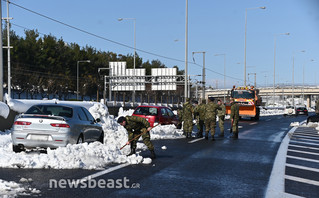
(80, 139)
(101, 138)
(16, 148)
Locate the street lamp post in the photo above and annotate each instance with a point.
(224, 73)
(134, 21)
(1, 61)
(246, 39)
(186, 53)
(203, 75)
(275, 63)
(303, 82)
(77, 76)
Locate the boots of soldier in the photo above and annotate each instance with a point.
(206, 136)
(199, 135)
(221, 135)
(234, 136)
(213, 139)
(132, 152)
(153, 156)
(189, 135)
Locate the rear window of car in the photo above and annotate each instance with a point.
(145, 111)
(51, 110)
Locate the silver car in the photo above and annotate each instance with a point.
(54, 125)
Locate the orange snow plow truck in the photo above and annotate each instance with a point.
(248, 100)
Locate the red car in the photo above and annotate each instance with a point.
(157, 114)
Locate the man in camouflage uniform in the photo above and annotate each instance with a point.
(210, 117)
(135, 126)
(188, 118)
(221, 117)
(199, 112)
(234, 117)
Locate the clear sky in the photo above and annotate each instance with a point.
(215, 26)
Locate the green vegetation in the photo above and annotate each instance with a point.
(47, 65)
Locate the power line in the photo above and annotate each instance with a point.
(115, 42)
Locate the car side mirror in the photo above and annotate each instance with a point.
(97, 120)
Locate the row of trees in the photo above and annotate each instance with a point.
(47, 65)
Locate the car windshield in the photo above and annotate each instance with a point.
(146, 111)
(247, 94)
(55, 110)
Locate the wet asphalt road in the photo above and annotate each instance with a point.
(223, 168)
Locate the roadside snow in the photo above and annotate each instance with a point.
(83, 156)
(13, 189)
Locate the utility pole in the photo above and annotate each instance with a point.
(186, 53)
(8, 47)
(1, 59)
(203, 74)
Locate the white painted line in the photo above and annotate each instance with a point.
(302, 158)
(305, 152)
(295, 141)
(276, 184)
(240, 127)
(98, 174)
(196, 140)
(253, 123)
(307, 147)
(306, 135)
(303, 167)
(302, 180)
(287, 195)
(305, 139)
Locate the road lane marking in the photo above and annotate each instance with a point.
(303, 167)
(304, 152)
(253, 123)
(98, 174)
(302, 158)
(307, 147)
(196, 140)
(295, 141)
(305, 138)
(302, 180)
(276, 184)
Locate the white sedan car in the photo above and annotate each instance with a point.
(290, 110)
(53, 126)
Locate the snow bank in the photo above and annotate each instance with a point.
(4, 110)
(166, 132)
(295, 124)
(83, 156)
(270, 112)
(125, 113)
(21, 106)
(13, 189)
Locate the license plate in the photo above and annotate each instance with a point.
(39, 137)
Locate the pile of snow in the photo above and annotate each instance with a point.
(125, 113)
(83, 156)
(166, 132)
(4, 110)
(270, 112)
(295, 124)
(13, 189)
